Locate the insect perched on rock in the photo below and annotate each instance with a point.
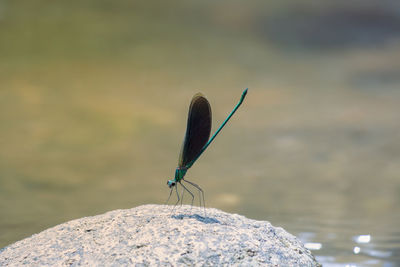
(196, 141)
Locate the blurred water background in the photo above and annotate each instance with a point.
(94, 98)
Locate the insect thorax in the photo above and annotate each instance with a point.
(180, 173)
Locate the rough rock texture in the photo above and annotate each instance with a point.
(156, 235)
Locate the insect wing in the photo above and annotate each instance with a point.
(197, 131)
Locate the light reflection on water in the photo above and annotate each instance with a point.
(363, 251)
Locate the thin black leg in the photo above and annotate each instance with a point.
(183, 192)
(188, 191)
(170, 193)
(177, 195)
(200, 191)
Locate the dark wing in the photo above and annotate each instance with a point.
(197, 131)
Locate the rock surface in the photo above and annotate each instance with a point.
(152, 235)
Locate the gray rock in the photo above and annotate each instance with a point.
(155, 235)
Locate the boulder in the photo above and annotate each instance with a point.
(159, 235)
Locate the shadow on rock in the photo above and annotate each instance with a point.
(196, 217)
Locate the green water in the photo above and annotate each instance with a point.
(94, 98)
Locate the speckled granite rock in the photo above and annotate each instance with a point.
(152, 235)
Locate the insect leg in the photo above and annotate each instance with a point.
(170, 193)
(177, 195)
(183, 192)
(200, 192)
(188, 191)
